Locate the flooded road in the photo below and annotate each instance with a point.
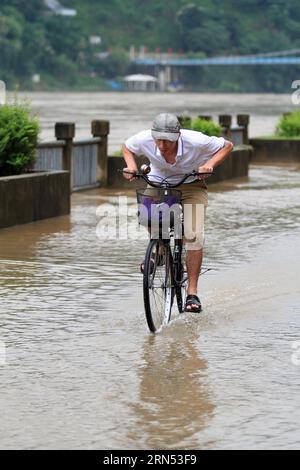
(83, 372)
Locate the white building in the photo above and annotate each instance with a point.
(2, 92)
(95, 40)
(140, 82)
(58, 9)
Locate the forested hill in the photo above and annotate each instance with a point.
(35, 40)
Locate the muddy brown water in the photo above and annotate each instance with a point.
(82, 370)
(129, 113)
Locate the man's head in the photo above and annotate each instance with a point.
(165, 127)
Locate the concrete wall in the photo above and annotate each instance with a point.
(236, 166)
(277, 150)
(33, 196)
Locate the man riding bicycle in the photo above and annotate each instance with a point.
(173, 152)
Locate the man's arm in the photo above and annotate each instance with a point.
(129, 158)
(217, 158)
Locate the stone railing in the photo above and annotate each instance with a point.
(86, 160)
(238, 134)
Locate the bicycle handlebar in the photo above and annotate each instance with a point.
(163, 181)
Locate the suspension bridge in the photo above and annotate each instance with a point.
(164, 65)
(274, 58)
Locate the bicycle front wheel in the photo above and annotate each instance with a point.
(158, 285)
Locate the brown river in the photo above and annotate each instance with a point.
(78, 367)
(129, 113)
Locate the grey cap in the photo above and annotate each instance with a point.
(166, 127)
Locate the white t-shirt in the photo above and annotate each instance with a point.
(194, 149)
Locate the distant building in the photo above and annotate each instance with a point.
(95, 40)
(56, 7)
(140, 82)
(36, 78)
(2, 92)
(102, 55)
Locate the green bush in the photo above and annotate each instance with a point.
(289, 125)
(185, 122)
(18, 139)
(207, 127)
(117, 153)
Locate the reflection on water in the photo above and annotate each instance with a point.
(82, 370)
(174, 403)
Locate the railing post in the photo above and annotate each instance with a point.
(243, 121)
(225, 121)
(101, 129)
(66, 131)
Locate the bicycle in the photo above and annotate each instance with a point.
(164, 272)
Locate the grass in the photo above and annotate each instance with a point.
(274, 137)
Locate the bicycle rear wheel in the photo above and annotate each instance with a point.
(158, 285)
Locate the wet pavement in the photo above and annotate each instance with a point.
(82, 370)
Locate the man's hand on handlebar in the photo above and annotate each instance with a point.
(205, 169)
(129, 173)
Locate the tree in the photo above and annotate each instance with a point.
(11, 32)
(116, 64)
(201, 31)
(31, 10)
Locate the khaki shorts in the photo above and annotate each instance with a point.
(194, 203)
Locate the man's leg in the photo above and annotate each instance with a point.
(194, 216)
(193, 265)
